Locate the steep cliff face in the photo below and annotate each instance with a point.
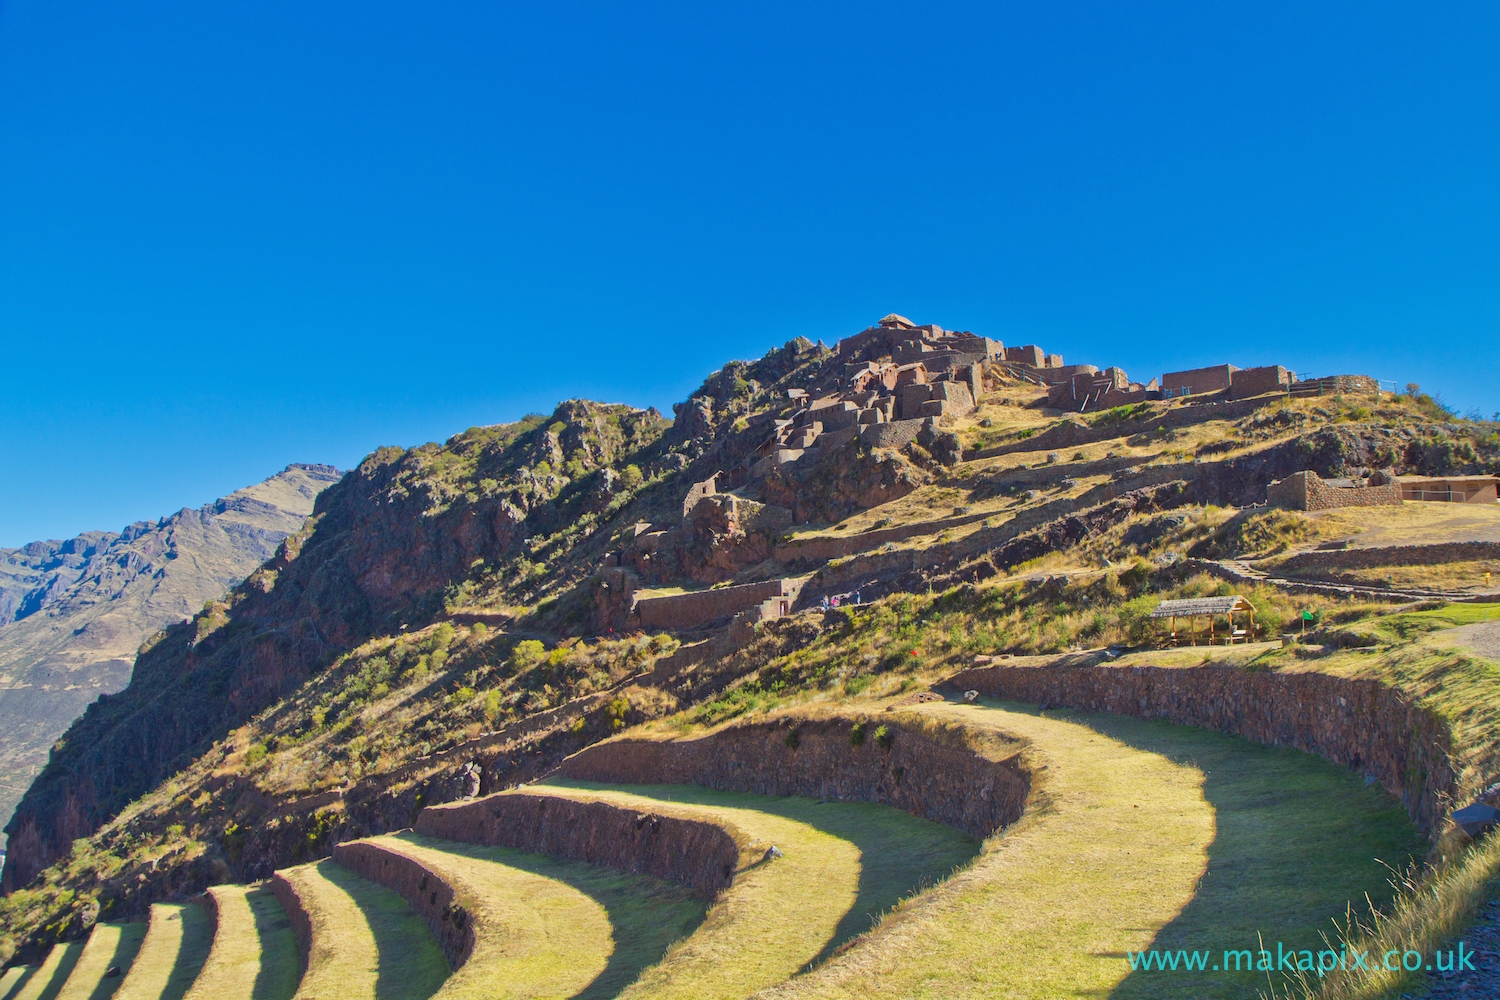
(38, 573)
(384, 548)
(75, 612)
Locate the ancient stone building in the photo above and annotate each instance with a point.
(1307, 491)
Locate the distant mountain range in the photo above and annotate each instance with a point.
(73, 613)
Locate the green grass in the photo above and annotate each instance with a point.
(548, 927)
(1141, 835)
(366, 941)
(55, 969)
(254, 954)
(12, 979)
(109, 946)
(176, 946)
(1448, 616)
(843, 864)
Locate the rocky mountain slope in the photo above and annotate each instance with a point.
(73, 613)
(449, 615)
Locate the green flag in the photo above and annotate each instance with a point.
(1307, 616)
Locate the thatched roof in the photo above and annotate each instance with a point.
(1202, 606)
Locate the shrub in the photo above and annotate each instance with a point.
(255, 754)
(441, 638)
(884, 737)
(857, 734)
(527, 654)
(792, 740)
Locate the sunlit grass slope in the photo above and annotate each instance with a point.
(1141, 835)
(54, 971)
(110, 946)
(842, 864)
(176, 946)
(551, 928)
(12, 978)
(254, 954)
(366, 941)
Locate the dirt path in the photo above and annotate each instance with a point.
(1483, 638)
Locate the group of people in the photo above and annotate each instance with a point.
(837, 599)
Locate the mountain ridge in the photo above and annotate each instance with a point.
(74, 612)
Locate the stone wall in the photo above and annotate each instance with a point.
(959, 788)
(697, 492)
(291, 901)
(1211, 379)
(1333, 385)
(700, 855)
(892, 434)
(1394, 555)
(423, 889)
(1070, 433)
(703, 606)
(1361, 723)
(1257, 381)
(826, 547)
(1307, 491)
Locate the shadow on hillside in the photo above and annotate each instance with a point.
(1296, 839)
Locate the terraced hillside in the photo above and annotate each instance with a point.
(617, 907)
(331, 751)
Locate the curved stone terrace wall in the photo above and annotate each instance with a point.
(959, 788)
(423, 889)
(700, 855)
(1364, 724)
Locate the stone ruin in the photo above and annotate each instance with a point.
(1309, 491)
(894, 382)
(915, 374)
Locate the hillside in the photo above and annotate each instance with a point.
(73, 613)
(639, 614)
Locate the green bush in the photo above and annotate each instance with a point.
(857, 734)
(527, 654)
(884, 737)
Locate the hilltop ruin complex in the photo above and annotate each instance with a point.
(892, 386)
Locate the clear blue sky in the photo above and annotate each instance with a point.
(234, 236)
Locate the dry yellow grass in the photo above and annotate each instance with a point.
(1410, 524)
(254, 954)
(12, 978)
(1127, 846)
(109, 946)
(842, 864)
(535, 936)
(550, 928)
(1012, 924)
(1456, 577)
(767, 925)
(176, 946)
(55, 969)
(366, 942)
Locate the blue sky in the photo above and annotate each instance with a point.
(234, 236)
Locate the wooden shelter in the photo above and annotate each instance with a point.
(1201, 611)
